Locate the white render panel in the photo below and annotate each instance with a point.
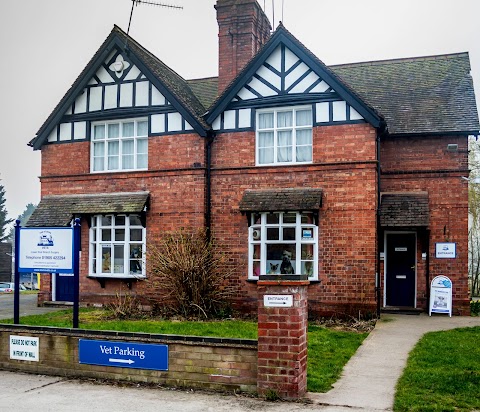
(275, 59)
(110, 56)
(158, 123)
(323, 112)
(110, 97)
(320, 87)
(290, 59)
(216, 123)
(52, 137)
(133, 73)
(261, 88)
(69, 110)
(270, 77)
(104, 76)
(141, 94)
(188, 126)
(245, 118)
(305, 83)
(354, 115)
(174, 122)
(339, 111)
(79, 130)
(126, 95)
(158, 99)
(245, 94)
(92, 82)
(81, 102)
(229, 119)
(95, 98)
(295, 74)
(65, 131)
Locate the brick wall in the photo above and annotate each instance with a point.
(208, 363)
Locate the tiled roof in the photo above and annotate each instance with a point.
(418, 95)
(58, 210)
(404, 209)
(271, 200)
(205, 89)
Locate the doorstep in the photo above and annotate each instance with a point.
(402, 310)
(57, 303)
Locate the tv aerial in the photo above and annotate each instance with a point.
(149, 3)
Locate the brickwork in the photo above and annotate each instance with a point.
(426, 165)
(282, 340)
(208, 363)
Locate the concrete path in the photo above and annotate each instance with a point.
(369, 378)
(28, 306)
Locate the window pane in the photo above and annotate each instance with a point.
(265, 120)
(307, 268)
(284, 154)
(285, 138)
(119, 235)
(106, 235)
(106, 259)
(142, 161)
(128, 162)
(256, 218)
(135, 220)
(106, 220)
(120, 220)
(128, 129)
(113, 148)
(99, 132)
(113, 130)
(256, 252)
(307, 218)
(99, 149)
(136, 235)
(273, 233)
(289, 233)
(265, 139)
(113, 163)
(98, 164)
(304, 154)
(135, 259)
(307, 252)
(142, 129)
(281, 258)
(142, 146)
(273, 218)
(256, 269)
(304, 137)
(284, 119)
(304, 117)
(127, 147)
(289, 218)
(256, 234)
(119, 261)
(265, 156)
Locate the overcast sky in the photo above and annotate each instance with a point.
(45, 44)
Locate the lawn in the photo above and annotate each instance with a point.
(442, 373)
(328, 350)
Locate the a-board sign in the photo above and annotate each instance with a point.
(445, 250)
(24, 348)
(278, 301)
(123, 354)
(441, 295)
(46, 250)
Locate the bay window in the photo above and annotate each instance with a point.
(118, 146)
(284, 136)
(283, 243)
(117, 246)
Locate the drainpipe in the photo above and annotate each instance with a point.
(208, 183)
(427, 271)
(380, 132)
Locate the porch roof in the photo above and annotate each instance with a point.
(271, 200)
(404, 209)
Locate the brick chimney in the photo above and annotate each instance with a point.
(243, 28)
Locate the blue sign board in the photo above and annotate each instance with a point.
(123, 354)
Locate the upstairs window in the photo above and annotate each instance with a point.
(284, 136)
(117, 246)
(283, 243)
(119, 146)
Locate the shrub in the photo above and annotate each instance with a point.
(475, 307)
(126, 306)
(186, 277)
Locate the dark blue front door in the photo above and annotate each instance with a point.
(64, 287)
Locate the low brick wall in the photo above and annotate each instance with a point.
(199, 362)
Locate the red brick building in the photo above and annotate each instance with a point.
(346, 175)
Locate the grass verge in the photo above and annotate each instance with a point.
(442, 373)
(328, 350)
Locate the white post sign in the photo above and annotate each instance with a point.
(278, 301)
(24, 348)
(46, 250)
(441, 295)
(445, 250)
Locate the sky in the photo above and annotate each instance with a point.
(45, 44)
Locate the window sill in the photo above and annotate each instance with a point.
(117, 276)
(311, 280)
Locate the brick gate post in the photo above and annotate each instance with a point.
(282, 336)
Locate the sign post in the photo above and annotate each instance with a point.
(47, 250)
(441, 295)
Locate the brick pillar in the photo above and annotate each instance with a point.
(282, 337)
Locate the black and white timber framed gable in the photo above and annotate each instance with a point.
(123, 80)
(286, 73)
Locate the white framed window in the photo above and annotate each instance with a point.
(119, 145)
(284, 136)
(283, 243)
(117, 246)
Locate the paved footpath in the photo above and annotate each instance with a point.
(369, 378)
(367, 383)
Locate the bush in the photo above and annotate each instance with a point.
(186, 277)
(475, 307)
